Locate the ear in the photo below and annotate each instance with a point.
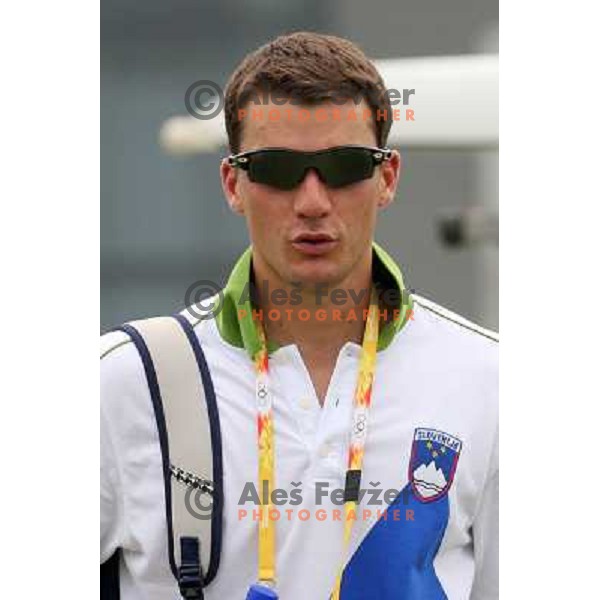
(230, 183)
(388, 180)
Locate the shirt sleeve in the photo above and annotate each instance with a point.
(486, 537)
(111, 498)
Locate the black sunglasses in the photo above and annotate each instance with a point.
(285, 169)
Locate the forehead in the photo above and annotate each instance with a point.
(306, 127)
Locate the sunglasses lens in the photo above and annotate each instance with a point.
(281, 169)
(345, 166)
(285, 169)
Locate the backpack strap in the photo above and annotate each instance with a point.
(187, 418)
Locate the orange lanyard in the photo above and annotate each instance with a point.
(266, 446)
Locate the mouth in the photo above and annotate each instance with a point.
(314, 244)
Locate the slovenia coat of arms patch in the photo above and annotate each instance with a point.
(433, 462)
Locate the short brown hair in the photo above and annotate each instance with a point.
(311, 68)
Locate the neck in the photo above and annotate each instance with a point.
(326, 317)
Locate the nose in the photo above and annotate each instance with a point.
(312, 197)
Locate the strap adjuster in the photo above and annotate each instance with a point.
(191, 580)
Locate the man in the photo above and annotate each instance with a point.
(380, 424)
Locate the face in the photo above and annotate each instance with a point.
(311, 234)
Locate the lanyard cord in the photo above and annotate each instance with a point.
(266, 447)
(358, 436)
(266, 462)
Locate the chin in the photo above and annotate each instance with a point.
(315, 273)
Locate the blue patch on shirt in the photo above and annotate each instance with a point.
(395, 560)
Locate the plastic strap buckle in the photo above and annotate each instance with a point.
(191, 580)
(352, 486)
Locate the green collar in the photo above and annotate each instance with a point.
(235, 318)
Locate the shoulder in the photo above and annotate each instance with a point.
(120, 359)
(118, 354)
(112, 341)
(454, 323)
(452, 340)
(123, 384)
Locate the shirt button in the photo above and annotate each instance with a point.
(325, 451)
(306, 403)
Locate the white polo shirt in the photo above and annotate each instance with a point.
(431, 460)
